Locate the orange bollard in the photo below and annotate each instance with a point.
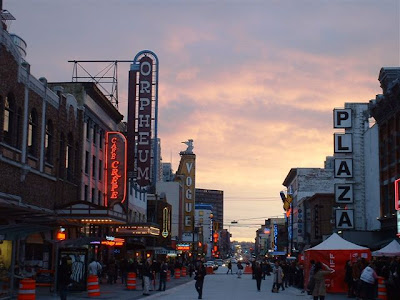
(131, 282)
(27, 289)
(168, 275)
(248, 270)
(183, 272)
(93, 286)
(382, 294)
(210, 270)
(177, 273)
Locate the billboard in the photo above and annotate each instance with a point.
(115, 179)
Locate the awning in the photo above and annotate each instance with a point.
(22, 230)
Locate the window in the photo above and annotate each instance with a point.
(94, 166)
(48, 142)
(88, 129)
(61, 156)
(18, 133)
(87, 162)
(100, 198)
(8, 118)
(69, 157)
(101, 139)
(32, 132)
(93, 195)
(95, 134)
(100, 169)
(85, 196)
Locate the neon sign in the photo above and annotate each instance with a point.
(166, 223)
(115, 182)
(276, 237)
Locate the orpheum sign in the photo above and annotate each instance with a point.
(115, 183)
(144, 121)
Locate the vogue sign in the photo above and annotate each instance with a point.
(115, 183)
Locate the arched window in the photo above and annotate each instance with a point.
(69, 157)
(8, 118)
(32, 132)
(48, 142)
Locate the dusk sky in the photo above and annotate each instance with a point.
(253, 83)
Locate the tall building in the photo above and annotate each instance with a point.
(215, 198)
(386, 111)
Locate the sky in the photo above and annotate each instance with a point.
(253, 83)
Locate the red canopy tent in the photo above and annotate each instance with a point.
(334, 252)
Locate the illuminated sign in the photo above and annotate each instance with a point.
(267, 231)
(166, 223)
(187, 168)
(138, 230)
(61, 235)
(396, 194)
(143, 130)
(113, 242)
(183, 247)
(275, 237)
(115, 182)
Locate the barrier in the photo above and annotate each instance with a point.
(248, 270)
(27, 289)
(131, 282)
(209, 270)
(93, 286)
(183, 272)
(382, 288)
(168, 275)
(177, 273)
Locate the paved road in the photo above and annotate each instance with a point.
(216, 287)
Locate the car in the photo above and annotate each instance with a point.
(212, 264)
(234, 260)
(219, 262)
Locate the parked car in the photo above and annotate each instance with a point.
(234, 260)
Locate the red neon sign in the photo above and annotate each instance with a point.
(115, 179)
(115, 242)
(396, 194)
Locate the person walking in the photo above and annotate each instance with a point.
(240, 269)
(95, 268)
(368, 280)
(319, 290)
(64, 277)
(199, 277)
(163, 276)
(258, 275)
(278, 276)
(348, 279)
(229, 267)
(146, 277)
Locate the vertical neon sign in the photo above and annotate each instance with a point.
(115, 179)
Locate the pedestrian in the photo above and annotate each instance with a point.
(111, 271)
(368, 280)
(95, 268)
(278, 276)
(319, 290)
(191, 269)
(146, 277)
(310, 285)
(124, 266)
(64, 277)
(240, 268)
(163, 276)
(199, 277)
(229, 267)
(348, 279)
(258, 275)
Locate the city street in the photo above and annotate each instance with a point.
(217, 286)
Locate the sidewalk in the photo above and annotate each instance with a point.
(116, 291)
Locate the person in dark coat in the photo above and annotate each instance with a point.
(163, 276)
(258, 275)
(348, 278)
(199, 277)
(64, 277)
(229, 267)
